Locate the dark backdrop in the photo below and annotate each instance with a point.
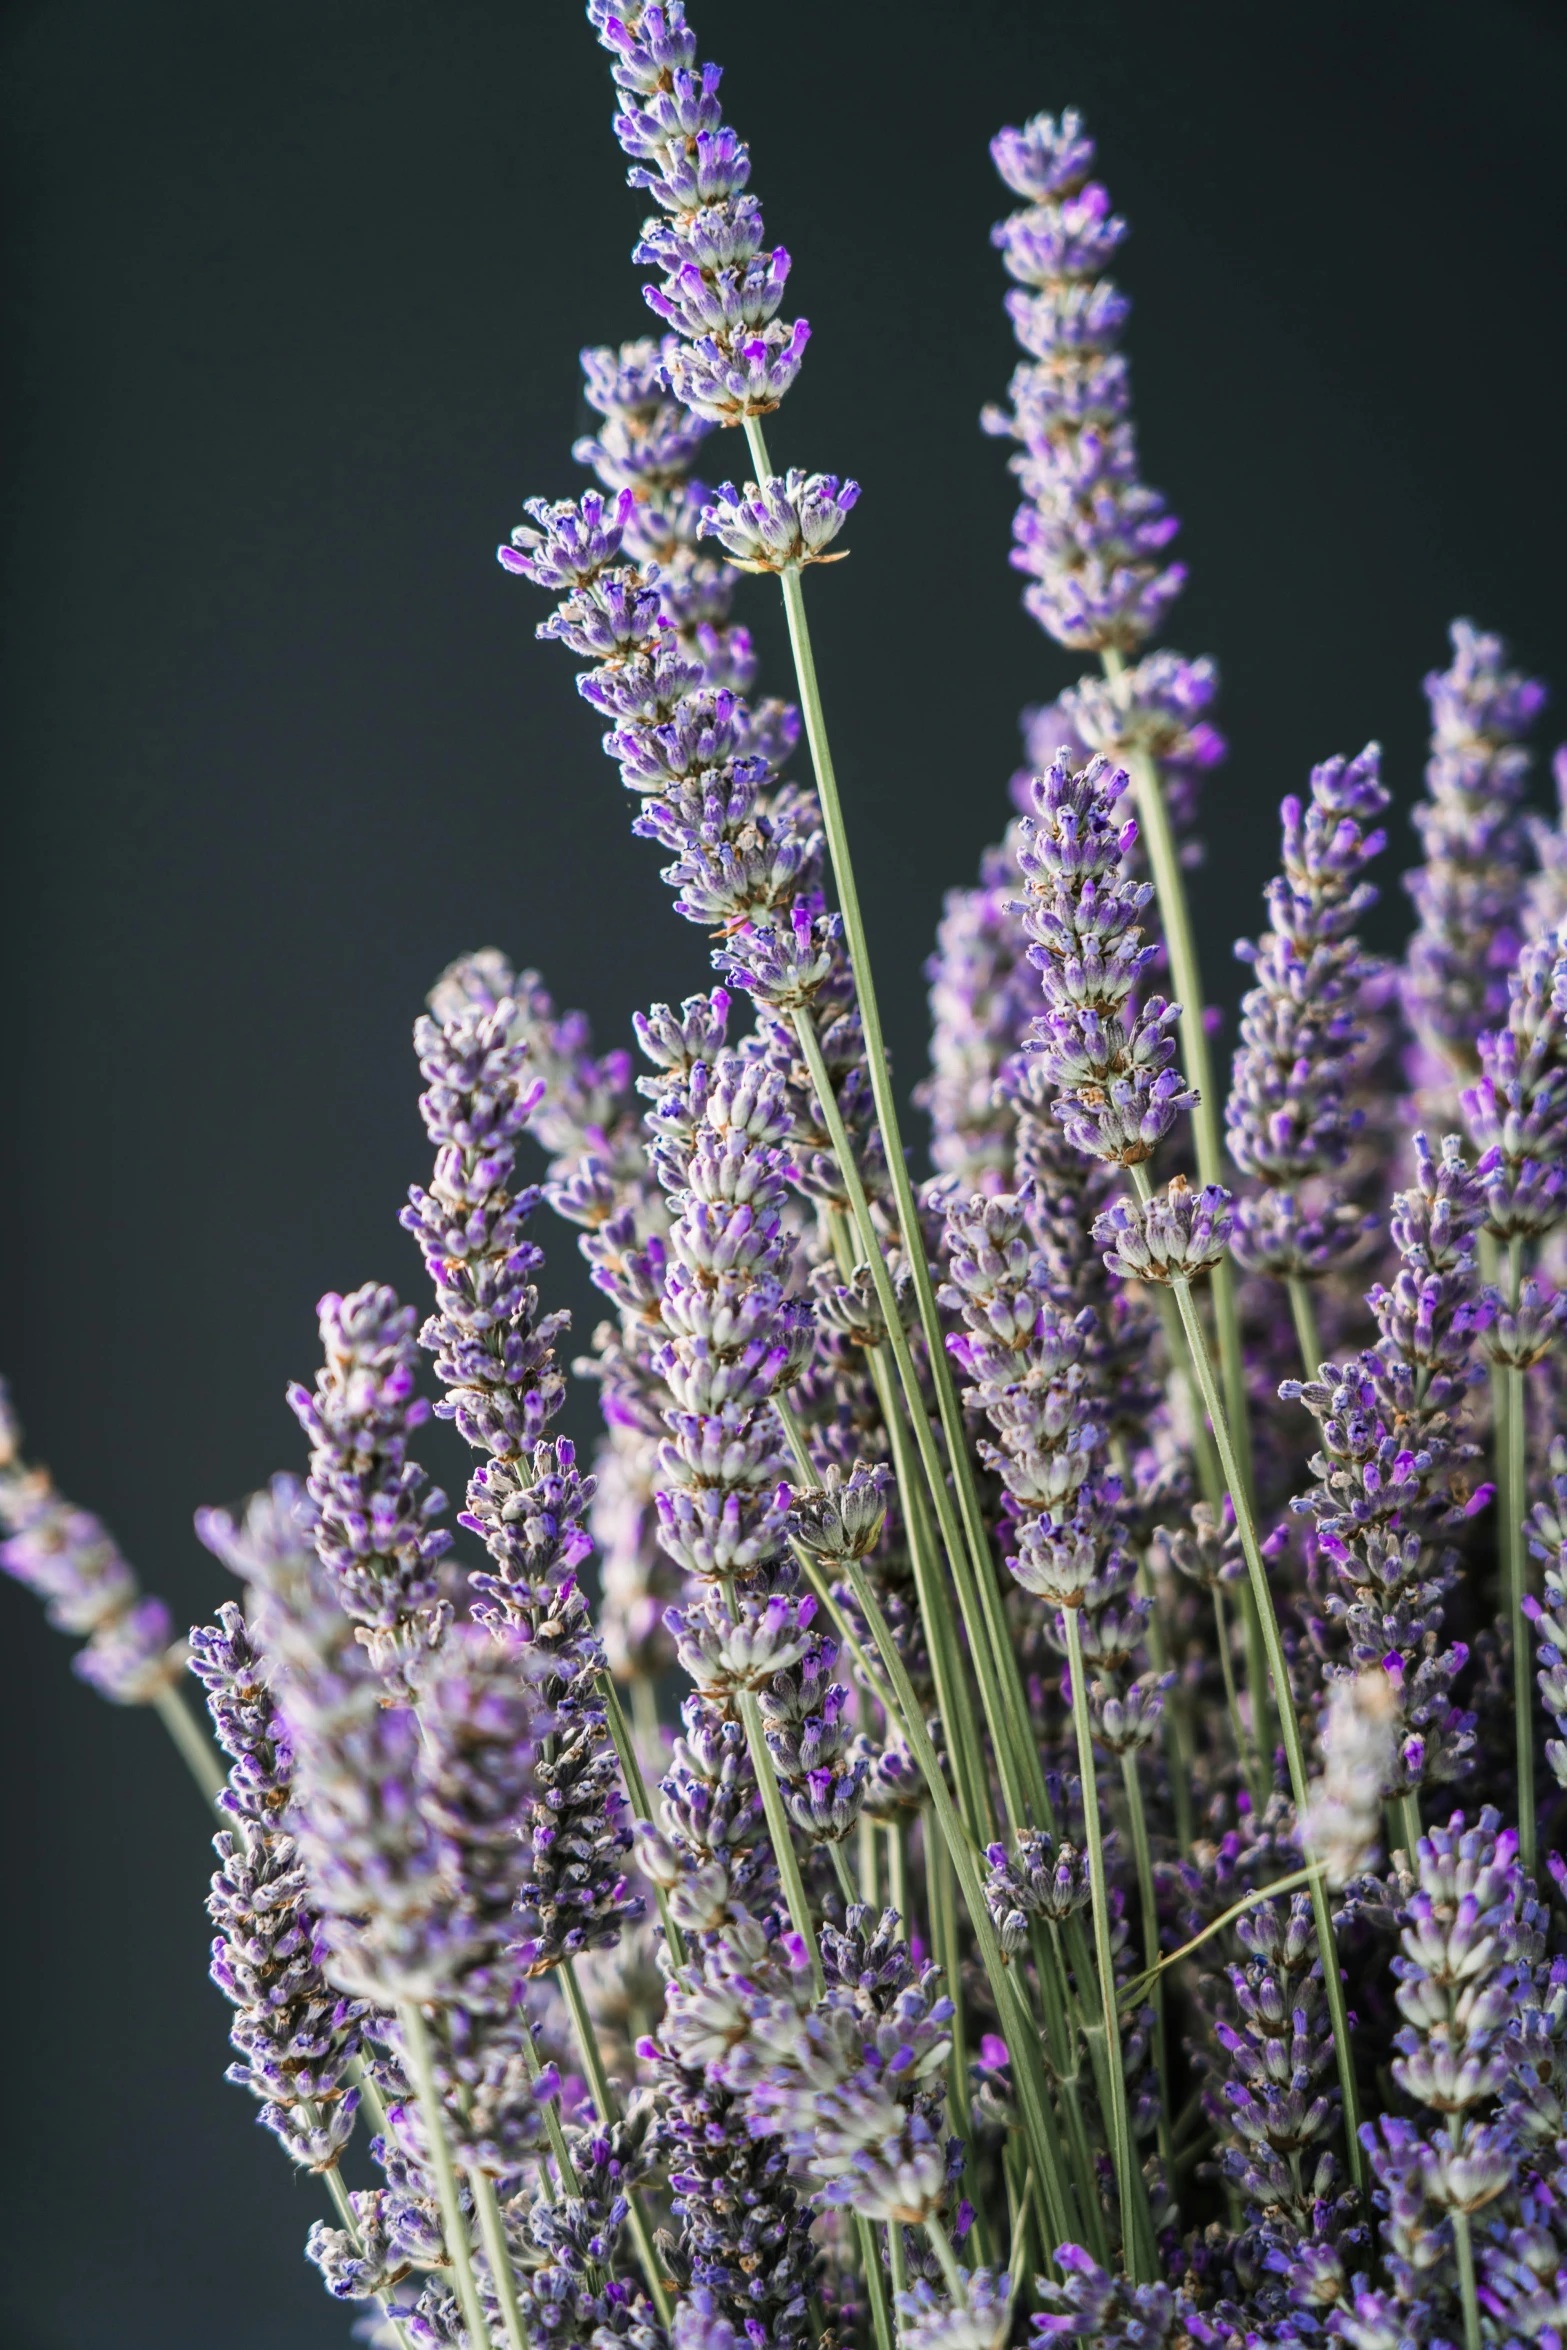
(291, 301)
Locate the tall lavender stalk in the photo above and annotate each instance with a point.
(1093, 537)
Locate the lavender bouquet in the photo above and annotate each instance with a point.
(1015, 1796)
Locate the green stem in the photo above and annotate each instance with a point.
(1164, 866)
(1409, 1822)
(553, 2128)
(1018, 2030)
(421, 2074)
(886, 1107)
(840, 1869)
(896, 2261)
(1289, 1727)
(1303, 1312)
(1512, 1461)
(898, 1873)
(1463, 2247)
(636, 1787)
(1237, 1909)
(1115, 2075)
(609, 2111)
(1001, 1690)
(942, 1895)
(1245, 1752)
(941, 2245)
(1142, 1857)
(779, 1831)
(196, 1750)
(875, 2282)
(497, 2253)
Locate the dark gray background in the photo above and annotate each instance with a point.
(291, 300)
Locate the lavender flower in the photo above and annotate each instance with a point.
(1290, 1119)
(980, 2321)
(1467, 895)
(375, 1508)
(1517, 1111)
(1156, 709)
(1547, 1535)
(1170, 1238)
(1089, 2305)
(1107, 1060)
(1391, 1472)
(721, 286)
(982, 997)
(73, 1564)
(295, 2035)
(1090, 533)
(789, 521)
(1343, 1820)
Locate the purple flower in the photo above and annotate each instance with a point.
(789, 521)
(1517, 1112)
(729, 356)
(1393, 1447)
(1290, 1118)
(375, 1526)
(1105, 1057)
(1468, 893)
(1090, 533)
(72, 1563)
(295, 2035)
(1175, 1236)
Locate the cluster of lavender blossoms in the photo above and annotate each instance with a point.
(1006, 1800)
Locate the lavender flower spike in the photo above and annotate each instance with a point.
(73, 1564)
(1089, 532)
(1468, 893)
(1106, 1058)
(375, 1529)
(721, 286)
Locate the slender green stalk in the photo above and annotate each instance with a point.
(1464, 2252)
(1209, 1475)
(811, 1569)
(1179, 1759)
(979, 1583)
(1303, 1312)
(636, 1787)
(898, 1872)
(952, 2275)
(196, 1750)
(895, 2260)
(865, 1861)
(944, 1941)
(1164, 865)
(1118, 2116)
(1142, 1856)
(840, 1869)
(553, 2129)
(370, 2098)
(779, 1832)
(1237, 1909)
(609, 2111)
(1289, 1727)
(497, 2254)
(421, 2071)
(1000, 1685)
(875, 2282)
(1245, 1752)
(1512, 1463)
(1022, 2039)
(1409, 1822)
(644, 1711)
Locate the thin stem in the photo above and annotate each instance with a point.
(1463, 2247)
(1245, 1752)
(1115, 2076)
(1289, 1727)
(875, 2282)
(885, 1102)
(1001, 1691)
(1164, 865)
(944, 1938)
(952, 2275)
(608, 2107)
(1142, 1857)
(553, 2129)
(1022, 2039)
(1179, 1759)
(840, 1869)
(811, 1568)
(1512, 1460)
(370, 2097)
(1303, 1312)
(421, 2073)
(196, 1750)
(865, 1861)
(497, 2253)
(898, 1873)
(896, 2261)
(782, 1839)
(636, 1787)
(1209, 1475)
(1409, 1823)
(1237, 1909)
